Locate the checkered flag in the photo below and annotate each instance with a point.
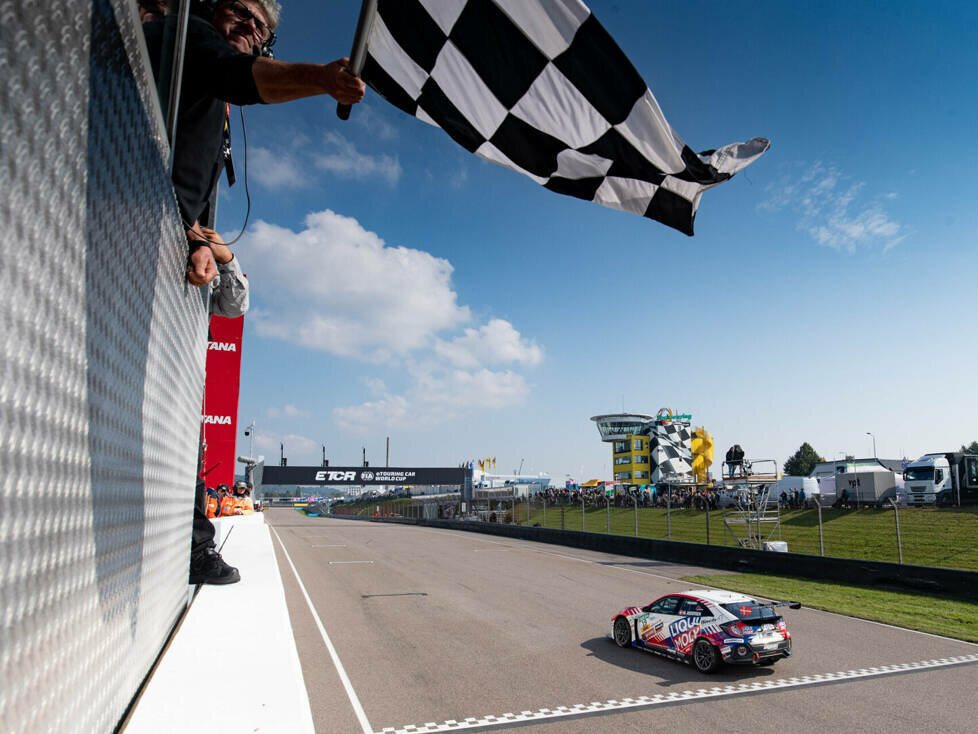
(540, 87)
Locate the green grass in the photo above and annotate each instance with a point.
(945, 537)
(932, 614)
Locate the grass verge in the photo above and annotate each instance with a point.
(939, 537)
(932, 614)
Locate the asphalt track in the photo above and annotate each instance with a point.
(424, 630)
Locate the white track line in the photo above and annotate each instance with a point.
(491, 722)
(341, 671)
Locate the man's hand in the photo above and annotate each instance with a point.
(222, 253)
(344, 85)
(201, 269)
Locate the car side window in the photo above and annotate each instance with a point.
(692, 608)
(665, 605)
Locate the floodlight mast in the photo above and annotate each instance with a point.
(874, 443)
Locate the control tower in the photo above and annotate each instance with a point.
(621, 425)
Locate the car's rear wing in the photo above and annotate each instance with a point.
(789, 604)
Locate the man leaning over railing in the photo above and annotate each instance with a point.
(227, 61)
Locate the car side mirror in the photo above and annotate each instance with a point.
(647, 608)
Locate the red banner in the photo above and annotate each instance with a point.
(220, 411)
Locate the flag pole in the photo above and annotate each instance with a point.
(368, 11)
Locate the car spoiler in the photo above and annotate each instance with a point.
(789, 604)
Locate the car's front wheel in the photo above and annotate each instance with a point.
(623, 633)
(706, 657)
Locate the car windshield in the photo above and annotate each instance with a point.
(920, 474)
(750, 610)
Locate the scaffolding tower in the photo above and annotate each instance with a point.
(754, 518)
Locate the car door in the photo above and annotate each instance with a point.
(690, 616)
(653, 626)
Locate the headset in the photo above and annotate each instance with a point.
(205, 9)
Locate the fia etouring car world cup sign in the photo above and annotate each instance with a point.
(350, 475)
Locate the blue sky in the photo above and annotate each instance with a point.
(402, 287)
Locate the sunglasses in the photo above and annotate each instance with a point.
(243, 14)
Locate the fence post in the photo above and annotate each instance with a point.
(896, 516)
(821, 538)
(669, 514)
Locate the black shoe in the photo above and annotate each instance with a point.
(210, 568)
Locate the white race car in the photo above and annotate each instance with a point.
(707, 628)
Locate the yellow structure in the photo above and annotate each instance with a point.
(702, 447)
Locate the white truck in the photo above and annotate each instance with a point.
(943, 479)
(791, 484)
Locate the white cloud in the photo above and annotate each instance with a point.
(496, 342)
(389, 411)
(367, 117)
(287, 411)
(269, 444)
(435, 397)
(280, 170)
(835, 211)
(336, 287)
(460, 391)
(342, 158)
(375, 385)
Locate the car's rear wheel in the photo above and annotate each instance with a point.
(706, 657)
(623, 632)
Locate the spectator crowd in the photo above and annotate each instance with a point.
(682, 497)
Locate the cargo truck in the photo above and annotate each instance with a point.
(868, 487)
(943, 479)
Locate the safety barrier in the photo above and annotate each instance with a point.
(941, 581)
(101, 379)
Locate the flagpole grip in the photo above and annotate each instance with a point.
(368, 11)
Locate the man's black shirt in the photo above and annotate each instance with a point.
(213, 73)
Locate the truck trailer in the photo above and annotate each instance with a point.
(949, 478)
(868, 487)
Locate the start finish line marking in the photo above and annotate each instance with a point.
(492, 722)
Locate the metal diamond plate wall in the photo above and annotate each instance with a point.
(101, 378)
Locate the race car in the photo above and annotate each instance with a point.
(707, 628)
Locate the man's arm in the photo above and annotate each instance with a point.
(229, 294)
(283, 81)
